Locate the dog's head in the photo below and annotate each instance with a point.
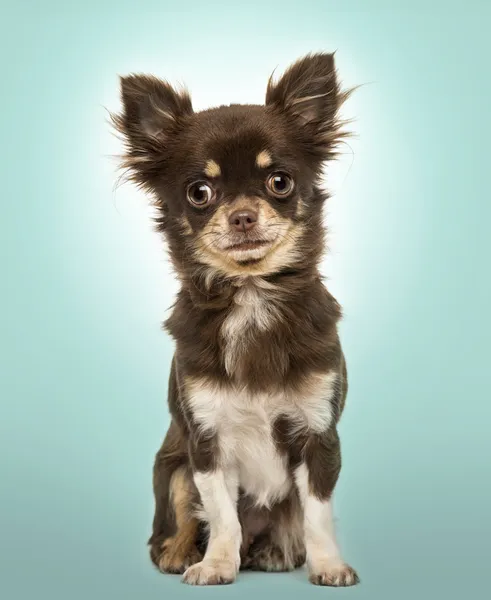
(237, 187)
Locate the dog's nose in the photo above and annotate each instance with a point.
(243, 220)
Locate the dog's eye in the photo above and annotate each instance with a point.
(200, 194)
(280, 184)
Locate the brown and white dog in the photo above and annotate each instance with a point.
(246, 472)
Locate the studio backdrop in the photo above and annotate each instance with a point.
(86, 285)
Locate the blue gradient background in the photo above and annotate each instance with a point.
(85, 285)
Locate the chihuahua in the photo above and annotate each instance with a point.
(245, 475)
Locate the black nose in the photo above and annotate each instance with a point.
(243, 220)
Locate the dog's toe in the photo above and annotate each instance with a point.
(211, 572)
(335, 574)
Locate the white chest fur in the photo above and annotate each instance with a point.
(254, 309)
(243, 424)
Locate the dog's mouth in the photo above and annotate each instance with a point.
(248, 245)
(262, 250)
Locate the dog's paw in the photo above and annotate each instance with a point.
(267, 558)
(334, 573)
(176, 558)
(211, 572)
(271, 558)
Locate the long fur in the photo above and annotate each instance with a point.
(258, 382)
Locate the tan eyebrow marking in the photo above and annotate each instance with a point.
(212, 169)
(263, 159)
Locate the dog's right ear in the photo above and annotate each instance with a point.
(153, 111)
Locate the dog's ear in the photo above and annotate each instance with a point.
(151, 108)
(308, 95)
(153, 112)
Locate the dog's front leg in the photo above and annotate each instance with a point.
(316, 478)
(219, 492)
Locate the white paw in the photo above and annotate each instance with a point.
(211, 572)
(333, 573)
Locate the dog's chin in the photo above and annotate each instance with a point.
(248, 253)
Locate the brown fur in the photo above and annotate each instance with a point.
(180, 550)
(233, 149)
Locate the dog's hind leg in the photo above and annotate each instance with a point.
(176, 530)
(281, 546)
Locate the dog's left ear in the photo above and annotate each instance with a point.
(309, 97)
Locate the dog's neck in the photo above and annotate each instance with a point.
(212, 291)
(261, 331)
